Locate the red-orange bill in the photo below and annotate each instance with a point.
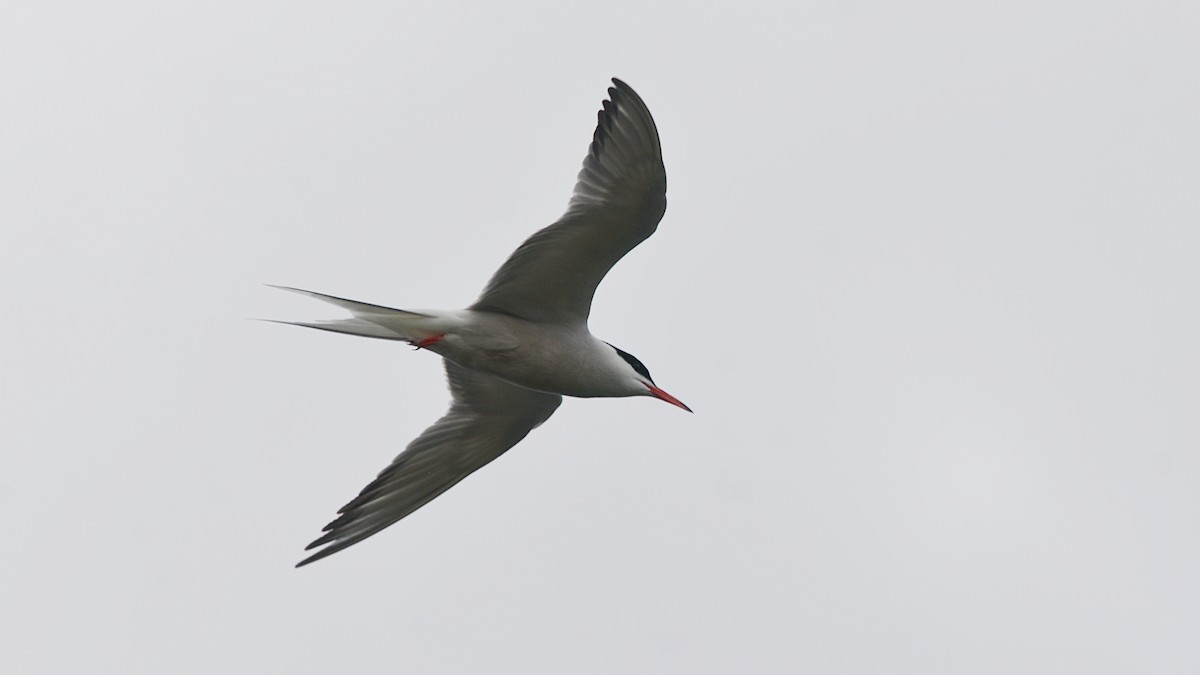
(660, 394)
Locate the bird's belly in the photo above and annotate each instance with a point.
(550, 367)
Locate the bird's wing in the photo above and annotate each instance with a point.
(487, 417)
(620, 196)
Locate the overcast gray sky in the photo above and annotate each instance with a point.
(928, 276)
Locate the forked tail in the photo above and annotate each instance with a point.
(367, 320)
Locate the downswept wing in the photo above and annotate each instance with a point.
(486, 418)
(619, 197)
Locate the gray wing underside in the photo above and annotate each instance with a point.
(620, 195)
(486, 418)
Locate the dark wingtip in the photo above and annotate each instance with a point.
(316, 556)
(327, 551)
(321, 541)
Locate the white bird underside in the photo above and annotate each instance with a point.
(524, 343)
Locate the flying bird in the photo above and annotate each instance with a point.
(524, 344)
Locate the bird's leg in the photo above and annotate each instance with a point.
(426, 343)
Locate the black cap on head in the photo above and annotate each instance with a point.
(633, 362)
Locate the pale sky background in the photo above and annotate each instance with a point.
(928, 275)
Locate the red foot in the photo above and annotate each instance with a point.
(429, 341)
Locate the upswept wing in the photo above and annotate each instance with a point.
(487, 417)
(619, 197)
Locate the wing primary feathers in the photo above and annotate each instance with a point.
(486, 418)
(619, 198)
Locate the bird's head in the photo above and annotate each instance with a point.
(641, 382)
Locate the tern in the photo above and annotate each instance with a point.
(524, 344)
